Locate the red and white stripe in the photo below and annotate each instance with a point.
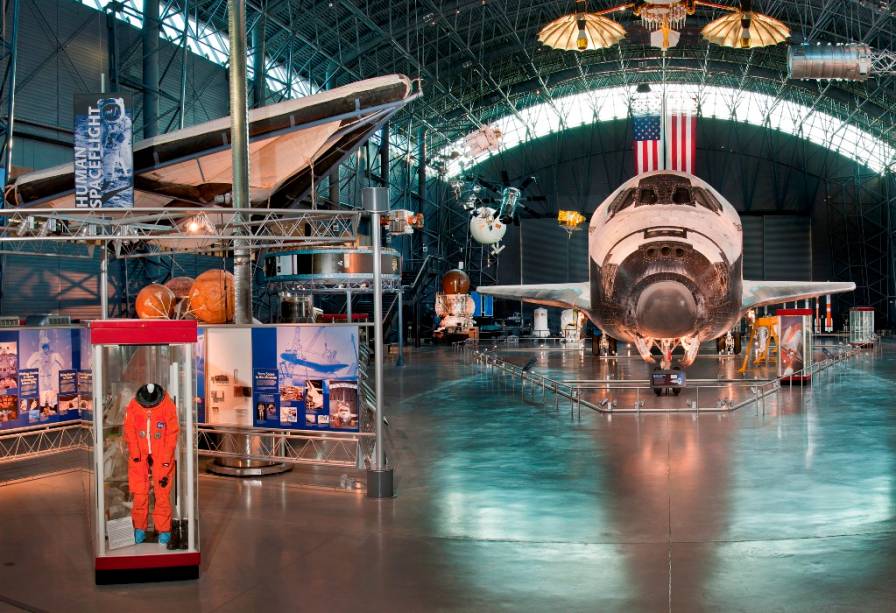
(681, 141)
(648, 156)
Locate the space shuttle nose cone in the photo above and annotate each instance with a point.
(666, 309)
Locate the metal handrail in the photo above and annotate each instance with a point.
(572, 389)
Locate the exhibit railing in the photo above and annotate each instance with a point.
(45, 439)
(349, 449)
(289, 446)
(636, 396)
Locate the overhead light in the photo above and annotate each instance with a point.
(581, 32)
(582, 39)
(200, 224)
(746, 30)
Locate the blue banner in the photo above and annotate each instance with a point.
(104, 159)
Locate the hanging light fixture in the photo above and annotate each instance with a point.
(746, 29)
(581, 31)
(664, 19)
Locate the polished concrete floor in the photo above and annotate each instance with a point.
(510, 505)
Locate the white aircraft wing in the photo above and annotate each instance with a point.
(566, 295)
(761, 293)
(290, 144)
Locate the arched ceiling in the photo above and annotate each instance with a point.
(480, 59)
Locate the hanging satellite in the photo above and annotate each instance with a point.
(488, 224)
(743, 28)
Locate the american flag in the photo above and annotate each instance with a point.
(681, 141)
(648, 152)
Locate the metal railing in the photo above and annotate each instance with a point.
(45, 439)
(576, 392)
(289, 446)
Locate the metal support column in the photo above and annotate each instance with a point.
(150, 68)
(379, 475)
(182, 103)
(400, 360)
(334, 186)
(104, 283)
(384, 155)
(10, 87)
(112, 44)
(242, 270)
(239, 129)
(258, 52)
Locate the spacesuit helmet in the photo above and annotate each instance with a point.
(112, 109)
(44, 341)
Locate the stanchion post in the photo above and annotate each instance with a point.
(375, 200)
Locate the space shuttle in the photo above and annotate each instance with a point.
(665, 257)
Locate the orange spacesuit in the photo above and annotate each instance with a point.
(151, 434)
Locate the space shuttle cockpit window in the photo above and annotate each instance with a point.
(647, 196)
(682, 195)
(707, 200)
(624, 200)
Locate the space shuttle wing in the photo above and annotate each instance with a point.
(761, 293)
(291, 144)
(565, 295)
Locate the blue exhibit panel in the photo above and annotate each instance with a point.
(40, 376)
(485, 305)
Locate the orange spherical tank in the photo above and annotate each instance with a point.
(154, 302)
(212, 297)
(180, 286)
(455, 282)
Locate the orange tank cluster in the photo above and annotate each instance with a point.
(209, 298)
(154, 302)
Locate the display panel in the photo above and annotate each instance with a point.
(797, 344)
(303, 376)
(42, 372)
(861, 326)
(228, 377)
(145, 461)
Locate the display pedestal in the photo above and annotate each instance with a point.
(243, 467)
(146, 565)
(380, 484)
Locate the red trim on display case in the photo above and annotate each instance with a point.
(162, 560)
(862, 309)
(794, 312)
(143, 331)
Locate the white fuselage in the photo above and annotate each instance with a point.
(665, 262)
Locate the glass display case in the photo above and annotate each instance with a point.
(796, 352)
(861, 326)
(146, 523)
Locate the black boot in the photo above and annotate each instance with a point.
(174, 543)
(182, 534)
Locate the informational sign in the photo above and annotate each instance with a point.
(29, 395)
(104, 159)
(792, 360)
(40, 378)
(120, 532)
(266, 397)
